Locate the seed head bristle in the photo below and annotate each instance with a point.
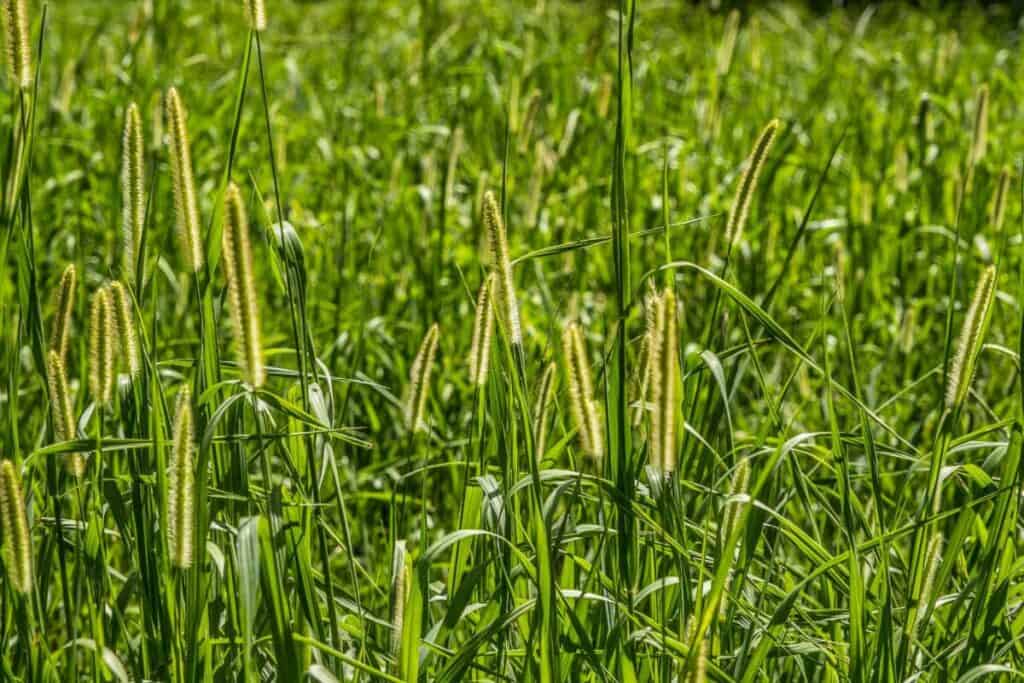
(64, 305)
(180, 484)
(60, 398)
(19, 56)
(748, 182)
(419, 381)
(102, 341)
(972, 336)
(980, 142)
(483, 331)
(256, 11)
(241, 278)
(581, 392)
(186, 208)
(399, 595)
(545, 394)
(503, 267)
(123, 308)
(133, 207)
(727, 47)
(664, 378)
(738, 487)
(999, 201)
(14, 522)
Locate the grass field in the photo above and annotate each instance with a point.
(347, 341)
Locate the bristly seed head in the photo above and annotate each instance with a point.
(180, 484)
(133, 207)
(581, 393)
(999, 201)
(19, 56)
(980, 142)
(238, 270)
(664, 378)
(14, 523)
(972, 337)
(186, 208)
(256, 11)
(483, 330)
(122, 303)
(543, 410)
(748, 183)
(503, 267)
(102, 340)
(399, 595)
(64, 304)
(419, 381)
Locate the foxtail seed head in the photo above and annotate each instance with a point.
(503, 267)
(581, 393)
(933, 557)
(256, 11)
(60, 398)
(664, 379)
(19, 56)
(543, 410)
(186, 208)
(483, 330)
(64, 303)
(180, 484)
(399, 594)
(999, 201)
(238, 269)
(17, 542)
(972, 336)
(133, 207)
(980, 142)
(419, 381)
(748, 182)
(122, 304)
(734, 508)
(102, 340)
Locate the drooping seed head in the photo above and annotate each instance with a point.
(581, 392)
(483, 329)
(748, 182)
(664, 379)
(14, 522)
(543, 410)
(503, 267)
(418, 388)
(238, 270)
(19, 56)
(123, 313)
(256, 11)
(180, 485)
(133, 207)
(64, 306)
(102, 340)
(972, 337)
(186, 208)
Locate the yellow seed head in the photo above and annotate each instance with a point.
(17, 541)
(238, 270)
(748, 182)
(186, 208)
(581, 393)
(180, 485)
(664, 380)
(980, 142)
(503, 267)
(102, 340)
(256, 11)
(999, 201)
(60, 398)
(972, 337)
(19, 56)
(64, 305)
(399, 595)
(419, 381)
(483, 329)
(133, 207)
(123, 308)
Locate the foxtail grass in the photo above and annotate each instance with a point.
(180, 485)
(133, 207)
(19, 54)
(14, 523)
(64, 306)
(503, 267)
(581, 392)
(483, 331)
(241, 278)
(102, 341)
(126, 334)
(748, 183)
(256, 12)
(542, 410)
(418, 388)
(186, 208)
(972, 338)
(979, 143)
(664, 380)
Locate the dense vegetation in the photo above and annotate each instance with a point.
(348, 342)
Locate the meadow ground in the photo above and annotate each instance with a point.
(347, 342)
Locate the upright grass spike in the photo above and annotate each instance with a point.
(14, 523)
(180, 484)
(664, 381)
(256, 11)
(748, 183)
(503, 267)
(64, 306)
(129, 340)
(933, 557)
(483, 331)
(979, 143)
(972, 337)
(241, 277)
(399, 593)
(61, 407)
(727, 47)
(581, 392)
(418, 389)
(642, 376)
(186, 208)
(734, 508)
(133, 182)
(19, 54)
(102, 340)
(542, 411)
(999, 201)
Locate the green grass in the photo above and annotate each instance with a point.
(844, 505)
